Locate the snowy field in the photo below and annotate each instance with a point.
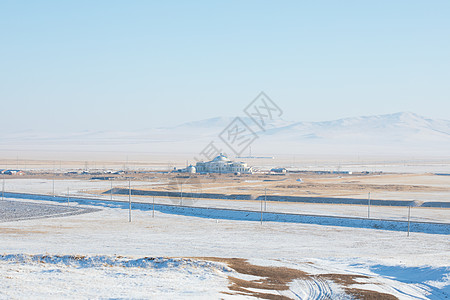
(20, 210)
(102, 255)
(75, 277)
(94, 188)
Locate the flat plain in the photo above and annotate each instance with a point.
(170, 255)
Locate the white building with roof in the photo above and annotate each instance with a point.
(221, 164)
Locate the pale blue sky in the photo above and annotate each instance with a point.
(124, 65)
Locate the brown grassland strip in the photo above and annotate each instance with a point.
(6, 230)
(278, 279)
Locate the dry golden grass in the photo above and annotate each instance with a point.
(273, 279)
(312, 185)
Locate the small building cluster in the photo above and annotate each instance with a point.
(220, 164)
(95, 172)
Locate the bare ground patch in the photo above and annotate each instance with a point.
(6, 230)
(273, 279)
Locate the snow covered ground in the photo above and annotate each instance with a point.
(229, 214)
(311, 248)
(102, 255)
(92, 188)
(75, 277)
(20, 210)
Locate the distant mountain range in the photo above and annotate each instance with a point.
(400, 133)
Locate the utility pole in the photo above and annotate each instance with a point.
(111, 189)
(181, 195)
(129, 199)
(409, 218)
(265, 199)
(3, 188)
(53, 181)
(261, 211)
(368, 207)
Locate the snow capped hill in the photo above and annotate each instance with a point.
(398, 133)
(393, 127)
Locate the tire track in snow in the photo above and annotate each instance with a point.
(314, 288)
